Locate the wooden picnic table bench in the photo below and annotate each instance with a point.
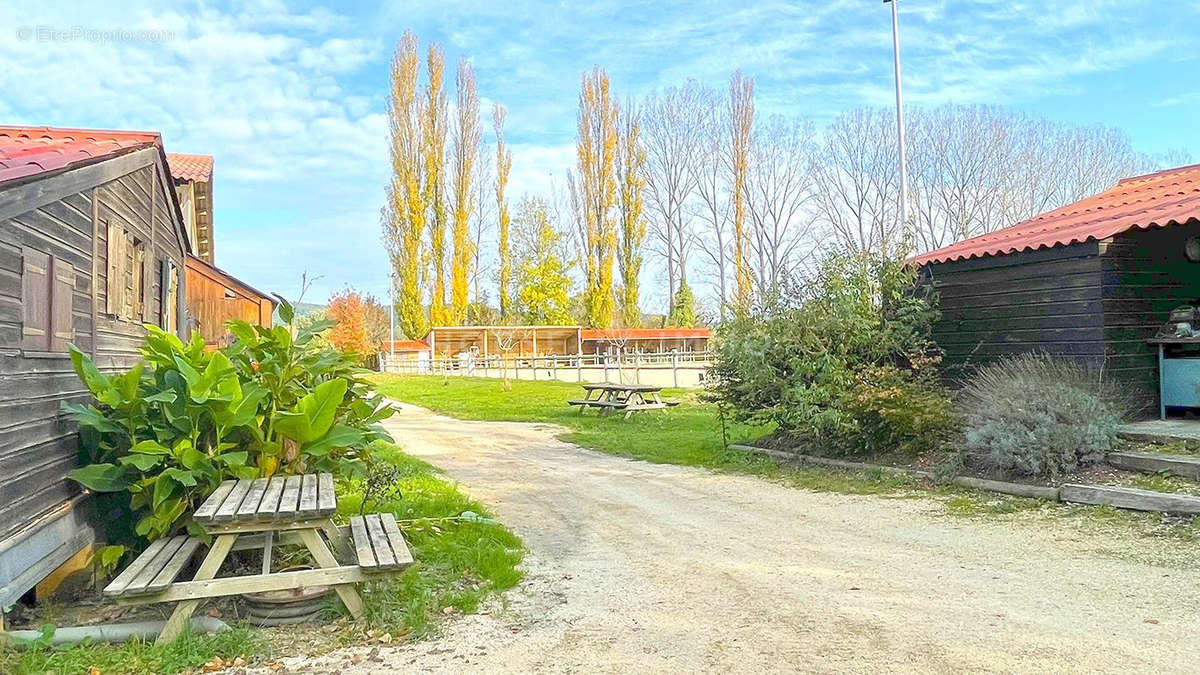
(627, 398)
(263, 512)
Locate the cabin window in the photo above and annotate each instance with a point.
(47, 290)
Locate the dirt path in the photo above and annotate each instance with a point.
(636, 567)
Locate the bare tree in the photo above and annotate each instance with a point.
(856, 181)
(713, 206)
(778, 191)
(673, 132)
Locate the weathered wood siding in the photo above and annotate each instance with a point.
(1145, 276)
(37, 445)
(1048, 301)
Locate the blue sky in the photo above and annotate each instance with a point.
(291, 98)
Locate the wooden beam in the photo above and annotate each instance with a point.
(1131, 498)
(1187, 466)
(195, 591)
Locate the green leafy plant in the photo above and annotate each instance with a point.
(170, 429)
(843, 364)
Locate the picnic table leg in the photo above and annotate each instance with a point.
(324, 558)
(208, 569)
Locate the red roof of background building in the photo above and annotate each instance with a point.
(644, 333)
(1154, 200)
(28, 151)
(405, 346)
(190, 167)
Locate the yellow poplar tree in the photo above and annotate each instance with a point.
(741, 103)
(466, 148)
(433, 133)
(503, 166)
(596, 150)
(404, 212)
(631, 163)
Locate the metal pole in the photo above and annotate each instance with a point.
(392, 316)
(899, 119)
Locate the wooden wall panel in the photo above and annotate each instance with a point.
(1046, 301)
(38, 446)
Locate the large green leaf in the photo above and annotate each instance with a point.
(339, 436)
(142, 462)
(151, 448)
(90, 416)
(96, 382)
(314, 413)
(286, 312)
(101, 477)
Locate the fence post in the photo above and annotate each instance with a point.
(675, 369)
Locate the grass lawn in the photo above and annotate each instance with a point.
(691, 434)
(688, 434)
(459, 564)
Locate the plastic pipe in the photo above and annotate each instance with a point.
(113, 632)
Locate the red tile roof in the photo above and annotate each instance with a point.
(1159, 199)
(405, 346)
(28, 151)
(190, 167)
(644, 333)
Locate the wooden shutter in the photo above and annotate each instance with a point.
(115, 290)
(147, 271)
(164, 292)
(62, 332)
(35, 299)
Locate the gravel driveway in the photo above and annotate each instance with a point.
(636, 567)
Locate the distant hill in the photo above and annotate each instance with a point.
(302, 309)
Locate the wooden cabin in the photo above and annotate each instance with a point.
(92, 246)
(1092, 280)
(213, 295)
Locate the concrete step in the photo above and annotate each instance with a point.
(1185, 466)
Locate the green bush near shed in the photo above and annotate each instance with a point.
(843, 364)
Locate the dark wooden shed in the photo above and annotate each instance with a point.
(1094, 280)
(92, 246)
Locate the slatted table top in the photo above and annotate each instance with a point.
(608, 386)
(269, 499)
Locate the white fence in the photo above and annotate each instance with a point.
(667, 369)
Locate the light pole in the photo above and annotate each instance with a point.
(392, 320)
(899, 118)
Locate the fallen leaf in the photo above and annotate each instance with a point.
(357, 658)
(93, 670)
(1154, 621)
(239, 662)
(447, 611)
(213, 612)
(385, 638)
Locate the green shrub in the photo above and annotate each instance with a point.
(843, 365)
(1037, 415)
(170, 429)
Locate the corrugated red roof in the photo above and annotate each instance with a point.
(1158, 199)
(405, 346)
(190, 167)
(28, 151)
(644, 333)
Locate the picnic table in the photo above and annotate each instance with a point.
(628, 398)
(260, 513)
